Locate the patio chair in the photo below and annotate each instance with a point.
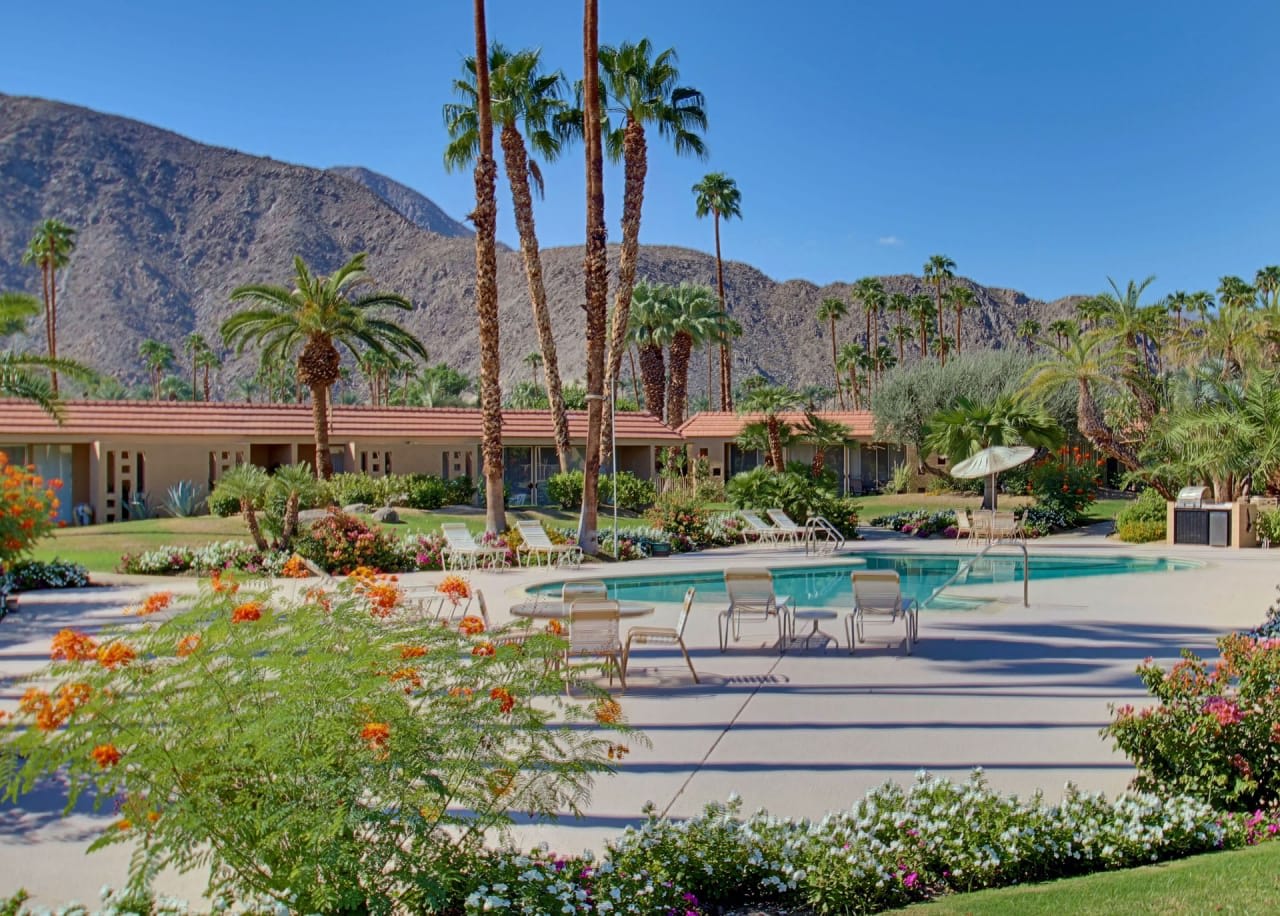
(786, 527)
(462, 552)
(421, 602)
(593, 632)
(582, 590)
(964, 525)
(537, 544)
(765, 533)
(751, 594)
(878, 595)
(1006, 527)
(663, 636)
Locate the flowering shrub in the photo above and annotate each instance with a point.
(680, 515)
(209, 558)
(1045, 518)
(455, 588)
(376, 802)
(29, 575)
(1214, 732)
(28, 508)
(1067, 480)
(339, 543)
(920, 522)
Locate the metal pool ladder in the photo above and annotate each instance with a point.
(821, 537)
(964, 570)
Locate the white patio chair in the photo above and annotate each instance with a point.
(644, 636)
(878, 594)
(537, 544)
(582, 590)
(751, 594)
(787, 528)
(463, 552)
(593, 632)
(765, 533)
(964, 525)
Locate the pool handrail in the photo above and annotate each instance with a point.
(968, 565)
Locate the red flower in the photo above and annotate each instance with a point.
(506, 702)
(247, 612)
(105, 755)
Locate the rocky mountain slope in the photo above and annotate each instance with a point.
(168, 227)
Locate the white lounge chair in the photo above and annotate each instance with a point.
(593, 631)
(537, 544)
(663, 636)
(964, 526)
(751, 594)
(786, 527)
(463, 552)
(764, 532)
(878, 594)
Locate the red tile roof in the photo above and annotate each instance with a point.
(718, 425)
(88, 420)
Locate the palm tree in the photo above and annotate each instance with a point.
(717, 194)
(534, 361)
(922, 310)
(522, 98)
(206, 360)
(772, 401)
(1236, 293)
(158, 358)
(884, 359)
(193, 345)
(22, 374)
(650, 334)
(595, 272)
(1176, 303)
(830, 311)
(1201, 302)
(850, 361)
(1029, 330)
(309, 322)
(870, 291)
(901, 333)
(641, 88)
(939, 270)
(1121, 317)
(247, 484)
(695, 318)
(823, 435)
(1267, 283)
(50, 250)
(960, 298)
(293, 484)
(1062, 329)
(969, 427)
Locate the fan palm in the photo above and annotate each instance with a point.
(246, 484)
(1267, 282)
(694, 318)
(938, 271)
(1062, 329)
(830, 311)
(717, 194)
(50, 250)
(922, 311)
(1234, 292)
(850, 361)
(193, 345)
(525, 104)
(158, 358)
(1029, 330)
(310, 322)
(960, 298)
(772, 401)
(206, 360)
(824, 435)
(651, 333)
(870, 292)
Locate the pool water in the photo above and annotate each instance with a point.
(828, 585)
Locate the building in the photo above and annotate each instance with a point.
(108, 452)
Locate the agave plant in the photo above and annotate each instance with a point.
(185, 499)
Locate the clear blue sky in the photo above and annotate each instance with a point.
(1042, 146)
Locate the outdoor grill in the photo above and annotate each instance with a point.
(1198, 522)
(1191, 497)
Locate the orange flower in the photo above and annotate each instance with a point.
(555, 627)
(218, 585)
(484, 649)
(73, 696)
(153, 605)
(124, 824)
(247, 612)
(105, 755)
(33, 700)
(455, 587)
(376, 735)
(407, 652)
(295, 568)
(116, 655)
(461, 693)
(383, 598)
(471, 626)
(506, 702)
(412, 680)
(618, 751)
(73, 647)
(188, 645)
(608, 712)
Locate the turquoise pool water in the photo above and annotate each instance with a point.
(828, 585)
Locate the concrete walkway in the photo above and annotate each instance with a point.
(1019, 691)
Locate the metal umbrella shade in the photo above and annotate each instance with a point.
(991, 461)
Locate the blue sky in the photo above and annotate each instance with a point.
(1042, 146)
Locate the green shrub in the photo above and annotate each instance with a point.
(681, 518)
(1143, 520)
(1067, 481)
(386, 751)
(1140, 532)
(348, 489)
(795, 491)
(1212, 731)
(423, 491)
(634, 494)
(564, 489)
(459, 491)
(223, 504)
(1268, 526)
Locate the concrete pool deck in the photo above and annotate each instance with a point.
(1019, 691)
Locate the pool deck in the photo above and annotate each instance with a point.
(1018, 691)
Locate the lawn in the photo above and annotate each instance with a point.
(1245, 881)
(889, 503)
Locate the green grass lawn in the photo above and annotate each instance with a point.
(1242, 882)
(887, 504)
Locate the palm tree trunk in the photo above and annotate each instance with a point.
(206, 383)
(251, 522)
(835, 363)
(958, 312)
(711, 385)
(320, 426)
(924, 337)
(653, 370)
(726, 394)
(485, 220)
(52, 317)
(775, 442)
(516, 161)
(726, 376)
(875, 327)
(195, 395)
(596, 275)
(635, 376)
(854, 388)
(937, 301)
(678, 390)
(289, 526)
(635, 167)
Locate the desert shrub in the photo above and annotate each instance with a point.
(1144, 519)
(682, 519)
(1212, 732)
(1040, 520)
(1268, 526)
(919, 522)
(340, 542)
(369, 780)
(29, 510)
(634, 493)
(900, 479)
(459, 491)
(223, 504)
(1066, 480)
(28, 575)
(184, 499)
(565, 489)
(349, 489)
(423, 491)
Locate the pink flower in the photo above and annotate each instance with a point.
(1222, 709)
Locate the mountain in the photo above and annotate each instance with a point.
(168, 227)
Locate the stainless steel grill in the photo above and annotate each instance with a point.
(1191, 497)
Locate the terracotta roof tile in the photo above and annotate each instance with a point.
(719, 425)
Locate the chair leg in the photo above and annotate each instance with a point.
(622, 673)
(688, 661)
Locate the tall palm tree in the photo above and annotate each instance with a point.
(900, 305)
(922, 311)
(1177, 303)
(642, 88)
(870, 291)
(772, 401)
(534, 362)
(1234, 292)
(850, 361)
(50, 250)
(960, 298)
(717, 194)
(22, 374)
(158, 358)
(1062, 329)
(206, 360)
(595, 272)
(939, 270)
(1121, 317)
(695, 317)
(525, 102)
(824, 435)
(1201, 302)
(193, 345)
(309, 322)
(1029, 330)
(650, 334)
(831, 310)
(1267, 283)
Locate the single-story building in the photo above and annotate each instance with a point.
(861, 465)
(107, 452)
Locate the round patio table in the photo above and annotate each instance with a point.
(556, 610)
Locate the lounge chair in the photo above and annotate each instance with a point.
(879, 595)
(751, 593)
(537, 544)
(663, 636)
(786, 526)
(593, 631)
(964, 526)
(461, 550)
(764, 532)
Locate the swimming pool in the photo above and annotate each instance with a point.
(828, 585)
